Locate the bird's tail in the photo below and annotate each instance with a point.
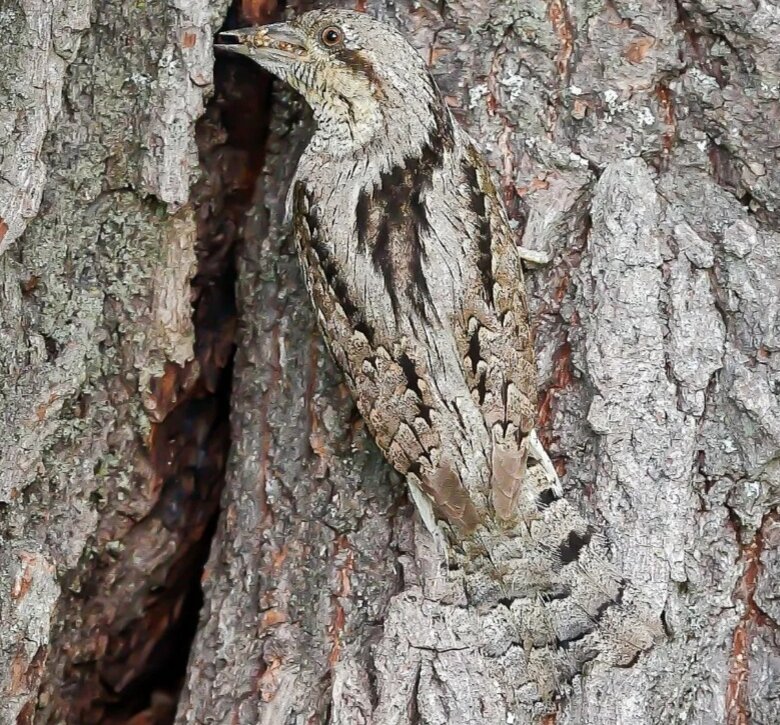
(565, 601)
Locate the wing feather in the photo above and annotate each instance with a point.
(497, 345)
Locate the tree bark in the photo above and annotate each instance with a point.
(636, 142)
(99, 387)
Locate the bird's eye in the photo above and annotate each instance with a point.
(332, 36)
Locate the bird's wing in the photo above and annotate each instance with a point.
(495, 337)
(391, 385)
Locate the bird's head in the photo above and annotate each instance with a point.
(361, 77)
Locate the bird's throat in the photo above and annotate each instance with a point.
(346, 124)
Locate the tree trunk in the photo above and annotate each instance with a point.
(114, 427)
(636, 142)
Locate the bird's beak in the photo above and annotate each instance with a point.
(279, 42)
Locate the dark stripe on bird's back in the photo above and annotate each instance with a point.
(382, 257)
(478, 206)
(362, 213)
(393, 215)
(308, 228)
(474, 355)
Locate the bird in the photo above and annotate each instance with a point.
(417, 282)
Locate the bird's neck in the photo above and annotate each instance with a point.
(389, 126)
(345, 125)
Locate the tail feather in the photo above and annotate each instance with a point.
(566, 602)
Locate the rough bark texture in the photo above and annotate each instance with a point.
(98, 113)
(636, 141)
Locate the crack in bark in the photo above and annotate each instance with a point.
(189, 445)
(737, 704)
(564, 30)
